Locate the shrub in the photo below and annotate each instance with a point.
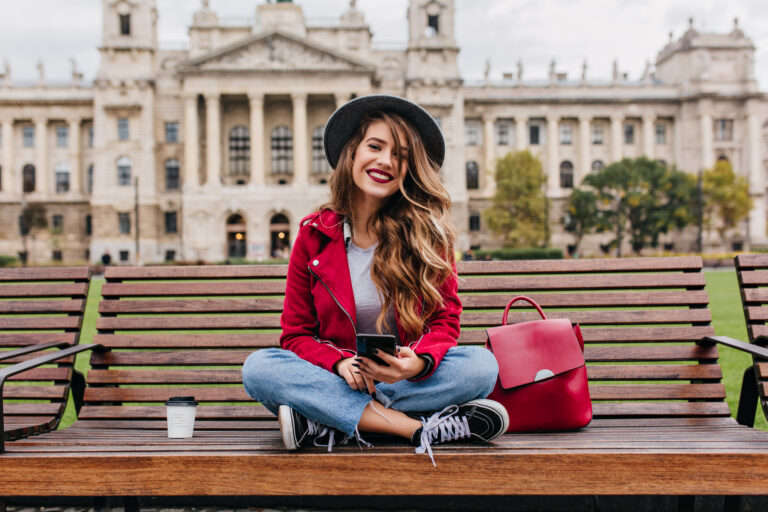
(7, 261)
(520, 253)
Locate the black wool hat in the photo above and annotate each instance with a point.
(344, 122)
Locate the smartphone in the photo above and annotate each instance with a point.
(366, 343)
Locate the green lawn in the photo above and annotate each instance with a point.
(725, 305)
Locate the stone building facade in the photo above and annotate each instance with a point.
(215, 151)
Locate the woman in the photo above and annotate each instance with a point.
(378, 258)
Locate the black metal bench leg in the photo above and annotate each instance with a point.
(100, 504)
(686, 503)
(2, 505)
(131, 504)
(748, 399)
(732, 503)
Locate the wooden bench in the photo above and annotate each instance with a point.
(661, 427)
(41, 309)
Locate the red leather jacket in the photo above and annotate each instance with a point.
(319, 309)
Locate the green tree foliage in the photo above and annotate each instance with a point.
(581, 215)
(726, 200)
(519, 210)
(643, 198)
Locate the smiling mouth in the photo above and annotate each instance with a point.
(380, 176)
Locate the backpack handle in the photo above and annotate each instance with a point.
(527, 299)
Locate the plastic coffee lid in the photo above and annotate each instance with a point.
(181, 400)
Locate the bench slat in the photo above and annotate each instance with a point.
(44, 274)
(59, 322)
(684, 263)
(34, 392)
(22, 339)
(754, 277)
(43, 290)
(196, 272)
(236, 340)
(590, 299)
(578, 282)
(188, 322)
(43, 374)
(32, 409)
(598, 372)
(628, 409)
(185, 289)
(652, 372)
(42, 306)
(218, 412)
(192, 306)
(612, 317)
(657, 392)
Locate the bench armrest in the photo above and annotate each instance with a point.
(755, 350)
(10, 354)
(750, 395)
(34, 363)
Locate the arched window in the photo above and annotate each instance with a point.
(236, 233)
(597, 166)
(319, 163)
(662, 162)
(171, 174)
(239, 151)
(123, 171)
(282, 150)
(90, 179)
(722, 158)
(566, 174)
(28, 173)
(279, 228)
(473, 175)
(62, 178)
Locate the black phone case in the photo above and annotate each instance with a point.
(366, 343)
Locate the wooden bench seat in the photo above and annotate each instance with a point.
(41, 309)
(661, 425)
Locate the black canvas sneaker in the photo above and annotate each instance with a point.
(298, 431)
(480, 420)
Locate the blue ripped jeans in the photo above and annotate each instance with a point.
(275, 377)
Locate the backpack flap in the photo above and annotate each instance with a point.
(533, 351)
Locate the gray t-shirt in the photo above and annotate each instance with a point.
(367, 299)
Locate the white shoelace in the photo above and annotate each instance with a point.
(444, 424)
(318, 430)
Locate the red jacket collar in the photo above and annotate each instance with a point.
(327, 221)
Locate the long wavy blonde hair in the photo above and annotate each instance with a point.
(416, 238)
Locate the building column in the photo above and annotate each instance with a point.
(648, 137)
(585, 158)
(521, 132)
(10, 184)
(341, 99)
(300, 161)
(553, 141)
(489, 146)
(213, 139)
(191, 169)
(257, 138)
(677, 137)
(617, 141)
(707, 153)
(757, 216)
(75, 156)
(42, 180)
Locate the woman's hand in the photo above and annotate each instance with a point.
(347, 370)
(405, 365)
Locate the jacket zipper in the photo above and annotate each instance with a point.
(334, 299)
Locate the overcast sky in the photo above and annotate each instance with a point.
(502, 31)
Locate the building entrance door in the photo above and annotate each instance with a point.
(279, 228)
(236, 241)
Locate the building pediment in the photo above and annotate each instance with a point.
(274, 52)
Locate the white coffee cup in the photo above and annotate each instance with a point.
(181, 416)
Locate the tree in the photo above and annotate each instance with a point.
(581, 215)
(518, 213)
(726, 200)
(643, 197)
(32, 217)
